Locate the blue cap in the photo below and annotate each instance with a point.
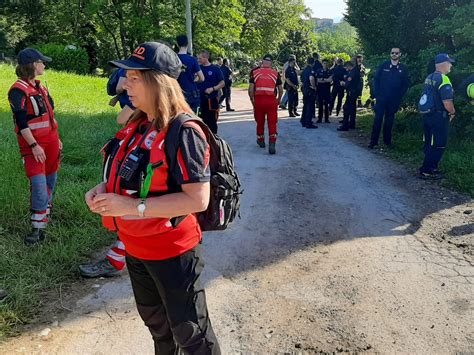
(443, 57)
(31, 55)
(152, 56)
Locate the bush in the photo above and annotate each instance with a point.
(66, 58)
(331, 56)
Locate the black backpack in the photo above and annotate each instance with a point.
(224, 202)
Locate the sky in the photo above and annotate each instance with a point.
(327, 8)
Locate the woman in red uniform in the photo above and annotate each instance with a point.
(37, 133)
(163, 257)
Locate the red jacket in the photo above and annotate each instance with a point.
(39, 111)
(265, 81)
(150, 238)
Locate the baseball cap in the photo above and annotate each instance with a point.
(152, 56)
(268, 57)
(31, 55)
(443, 57)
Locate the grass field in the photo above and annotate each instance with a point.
(27, 273)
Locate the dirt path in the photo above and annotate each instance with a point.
(337, 250)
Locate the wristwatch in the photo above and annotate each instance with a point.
(32, 145)
(141, 207)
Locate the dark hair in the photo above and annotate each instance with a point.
(25, 71)
(219, 58)
(339, 61)
(206, 54)
(348, 64)
(310, 61)
(315, 55)
(359, 56)
(325, 61)
(225, 61)
(182, 40)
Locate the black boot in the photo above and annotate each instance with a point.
(36, 236)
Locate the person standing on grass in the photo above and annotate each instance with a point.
(38, 138)
(140, 199)
(209, 89)
(436, 123)
(389, 86)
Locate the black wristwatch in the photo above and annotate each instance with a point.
(32, 145)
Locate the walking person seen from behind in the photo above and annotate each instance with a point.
(38, 139)
(164, 256)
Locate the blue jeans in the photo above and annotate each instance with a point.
(309, 99)
(436, 130)
(284, 99)
(384, 112)
(42, 188)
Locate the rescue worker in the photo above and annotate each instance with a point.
(324, 79)
(436, 123)
(265, 92)
(389, 86)
(191, 74)
(38, 139)
(227, 73)
(164, 257)
(116, 80)
(351, 85)
(308, 87)
(208, 89)
(338, 73)
(292, 84)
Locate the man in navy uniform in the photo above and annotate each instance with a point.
(436, 123)
(308, 83)
(352, 87)
(389, 86)
(324, 79)
(292, 83)
(338, 73)
(213, 82)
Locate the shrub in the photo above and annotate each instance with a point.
(66, 58)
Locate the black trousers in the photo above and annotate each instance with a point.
(292, 100)
(384, 112)
(350, 110)
(337, 93)
(226, 92)
(209, 112)
(324, 101)
(172, 303)
(308, 108)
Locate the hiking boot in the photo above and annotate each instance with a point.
(312, 126)
(342, 128)
(101, 268)
(431, 176)
(296, 113)
(371, 145)
(261, 144)
(230, 110)
(271, 148)
(36, 236)
(292, 114)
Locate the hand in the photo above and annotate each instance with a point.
(209, 90)
(451, 116)
(38, 153)
(110, 204)
(92, 193)
(60, 145)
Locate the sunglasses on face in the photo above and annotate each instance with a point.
(395, 52)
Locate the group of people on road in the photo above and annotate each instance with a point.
(154, 86)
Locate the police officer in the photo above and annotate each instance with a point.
(352, 87)
(284, 99)
(317, 64)
(324, 79)
(338, 72)
(389, 86)
(209, 88)
(308, 83)
(37, 134)
(191, 74)
(292, 84)
(226, 91)
(436, 123)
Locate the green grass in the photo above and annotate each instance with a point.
(457, 162)
(28, 274)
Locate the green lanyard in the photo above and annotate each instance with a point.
(146, 182)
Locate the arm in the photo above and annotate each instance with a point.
(377, 80)
(405, 82)
(251, 92)
(312, 82)
(279, 92)
(290, 83)
(199, 77)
